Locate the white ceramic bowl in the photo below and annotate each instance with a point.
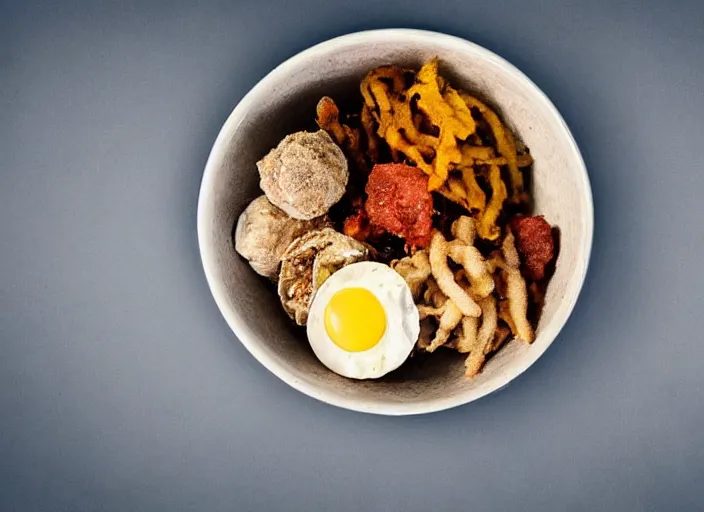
(284, 101)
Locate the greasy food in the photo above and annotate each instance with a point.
(429, 124)
(415, 270)
(477, 354)
(446, 110)
(439, 252)
(430, 183)
(516, 290)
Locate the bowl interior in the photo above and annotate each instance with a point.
(285, 102)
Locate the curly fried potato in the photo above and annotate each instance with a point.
(394, 120)
(487, 228)
(439, 250)
(446, 110)
(470, 155)
(505, 143)
(516, 291)
(524, 160)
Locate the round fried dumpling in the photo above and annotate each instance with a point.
(363, 322)
(264, 232)
(304, 175)
(309, 261)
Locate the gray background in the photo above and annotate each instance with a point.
(122, 388)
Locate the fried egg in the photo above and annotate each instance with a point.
(363, 322)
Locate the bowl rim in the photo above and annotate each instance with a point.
(238, 325)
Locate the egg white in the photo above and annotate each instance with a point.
(402, 322)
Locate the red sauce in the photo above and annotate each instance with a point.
(535, 244)
(399, 202)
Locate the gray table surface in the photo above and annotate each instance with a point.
(121, 386)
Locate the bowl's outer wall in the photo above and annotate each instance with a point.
(283, 102)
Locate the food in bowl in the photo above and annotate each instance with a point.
(427, 183)
(363, 322)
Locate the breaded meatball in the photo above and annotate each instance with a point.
(304, 175)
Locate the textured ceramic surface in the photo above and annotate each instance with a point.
(284, 101)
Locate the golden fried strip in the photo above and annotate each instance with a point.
(376, 95)
(456, 187)
(453, 195)
(328, 119)
(485, 336)
(474, 265)
(505, 143)
(476, 198)
(522, 160)
(502, 334)
(449, 113)
(472, 153)
(516, 290)
(425, 311)
(468, 338)
(367, 121)
(394, 73)
(439, 249)
(449, 319)
(487, 228)
(415, 270)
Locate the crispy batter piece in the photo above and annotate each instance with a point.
(450, 317)
(516, 291)
(485, 336)
(468, 336)
(475, 267)
(439, 251)
(501, 336)
(415, 270)
(328, 119)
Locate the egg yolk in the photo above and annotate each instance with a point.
(355, 319)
